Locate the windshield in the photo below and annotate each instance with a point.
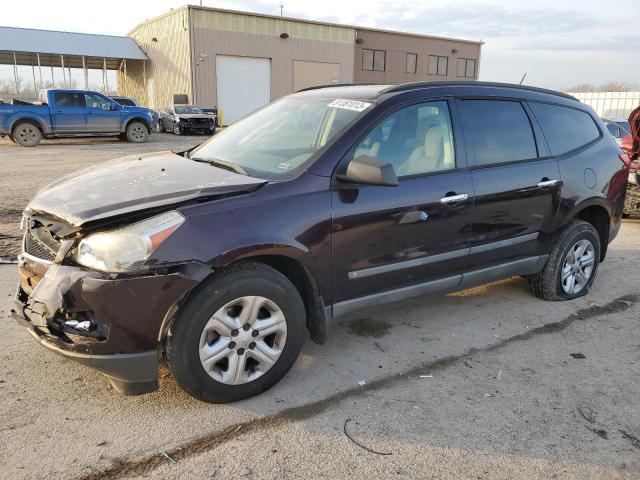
(276, 141)
(187, 109)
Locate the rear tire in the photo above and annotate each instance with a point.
(26, 134)
(137, 132)
(198, 338)
(572, 264)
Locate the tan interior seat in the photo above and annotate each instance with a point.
(435, 154)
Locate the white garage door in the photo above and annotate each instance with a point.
(244, 85)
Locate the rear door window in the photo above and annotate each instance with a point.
(68, 99)
(564, 128)
(498, 131)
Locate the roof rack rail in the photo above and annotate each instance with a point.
(329, 85)
(417, 85)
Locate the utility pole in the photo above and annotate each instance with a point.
(281, 8)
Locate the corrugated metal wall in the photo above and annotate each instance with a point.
(222, 33)
(165, 40)
(610, 104)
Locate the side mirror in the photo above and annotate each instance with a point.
(370, 171)
(114, 107)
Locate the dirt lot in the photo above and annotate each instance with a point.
(474, 385)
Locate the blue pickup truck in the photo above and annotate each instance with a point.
(65, 113)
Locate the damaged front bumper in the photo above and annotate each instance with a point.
(111, 324)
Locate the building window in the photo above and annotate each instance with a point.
(412, 62)
(373, 59)
(466, 68)
(438, 65)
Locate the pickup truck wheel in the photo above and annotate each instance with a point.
(26, 134)
(237, 335)
(137, 132)
(572, 264)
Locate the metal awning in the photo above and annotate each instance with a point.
(27, 42)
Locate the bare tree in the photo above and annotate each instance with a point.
(612, 86)
(584, 87)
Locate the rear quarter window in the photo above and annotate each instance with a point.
(564, 128)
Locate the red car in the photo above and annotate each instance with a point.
(631, 145)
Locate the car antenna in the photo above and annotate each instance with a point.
(523, 77)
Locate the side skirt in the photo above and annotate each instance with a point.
(524, 266)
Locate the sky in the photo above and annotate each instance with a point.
(557, 43)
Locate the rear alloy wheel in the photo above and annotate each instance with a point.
(572, 264)
(578, 266)
(237, 335)
(137, 132)
(26, 134)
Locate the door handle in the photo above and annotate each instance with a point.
(89, 113)
(547, 183)
(454, 198)
(58, 111)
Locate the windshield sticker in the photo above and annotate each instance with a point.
(350, 105)
(284, 166)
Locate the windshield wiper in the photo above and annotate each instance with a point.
(222, 164)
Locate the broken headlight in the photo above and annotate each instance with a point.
(126, 249)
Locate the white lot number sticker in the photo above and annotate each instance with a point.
(350, 105)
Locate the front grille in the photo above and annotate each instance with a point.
(197, 121)
(39, 243)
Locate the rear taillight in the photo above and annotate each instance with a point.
(625, 159)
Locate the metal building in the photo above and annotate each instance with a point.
(239, 61)
(44, 50)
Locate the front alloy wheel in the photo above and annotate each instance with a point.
(237, 334)
(243, 340)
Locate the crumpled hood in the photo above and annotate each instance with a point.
(135, 183)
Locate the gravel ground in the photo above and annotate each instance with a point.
(478, 384)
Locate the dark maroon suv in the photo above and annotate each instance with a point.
(221, 259)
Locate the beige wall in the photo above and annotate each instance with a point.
(397, 45)
(168, 70)
(222, 33)
(309, 74)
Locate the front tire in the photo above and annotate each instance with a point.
(237, 335)
(26, 134)
(572, 264)
(177, 129)
(137, 132)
